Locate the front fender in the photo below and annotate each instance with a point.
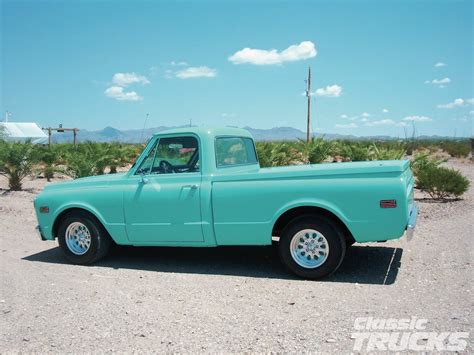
(117, 231)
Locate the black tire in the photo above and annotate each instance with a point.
(100, 239)
(335, 241)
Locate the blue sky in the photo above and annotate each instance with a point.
(378, 66)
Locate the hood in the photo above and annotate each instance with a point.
(90, 181)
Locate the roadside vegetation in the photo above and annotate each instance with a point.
(19, 160)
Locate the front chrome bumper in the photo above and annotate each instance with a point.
(412, 222)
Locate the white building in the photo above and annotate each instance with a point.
(24, 131)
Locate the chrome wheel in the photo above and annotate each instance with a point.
(78, 238)
(309, 248)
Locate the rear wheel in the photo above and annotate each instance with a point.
(82, 238)
(312, 246)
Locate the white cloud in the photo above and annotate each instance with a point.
(440, 64)
(196, 72)
(385, 122)
(417, 118)
(458, 103)
(471, 113)
(344, 116)
(125, 79)
(349, 125)
(385, 110)
(364, 120)
(118, 93)
(178, 64)
(365, 114)
(329, 91)
(440, 82)
(302, 51)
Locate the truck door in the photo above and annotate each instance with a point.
(162, 198)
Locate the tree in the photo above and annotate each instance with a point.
(16, 162)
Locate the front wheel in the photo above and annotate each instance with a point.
(312, 247)
(82, 238)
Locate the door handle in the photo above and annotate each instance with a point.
(192, 187)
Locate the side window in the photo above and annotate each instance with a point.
(235, 151)
(147, 162)
(172, 155)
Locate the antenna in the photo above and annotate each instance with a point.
(308, 96)
(144, 125)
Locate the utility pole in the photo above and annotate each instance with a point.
(308, 96)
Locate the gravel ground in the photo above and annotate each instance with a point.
(227, 299)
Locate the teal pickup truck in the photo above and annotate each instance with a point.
(203, 187)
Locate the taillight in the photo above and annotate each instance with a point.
(388, 203)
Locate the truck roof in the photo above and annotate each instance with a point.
(205, 130)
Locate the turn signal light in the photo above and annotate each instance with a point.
(44, 209)
(388, 203)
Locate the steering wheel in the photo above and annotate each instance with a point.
(166, 167)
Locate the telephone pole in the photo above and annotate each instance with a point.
(308, 96)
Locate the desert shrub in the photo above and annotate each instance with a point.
(441, 182)
(49, 160)
(120, 155)
(278, 154)
(352, 151)
(17, 161)
(316, 150)
(423, 161)
(264, 152)
(457, 149)
(87, 159)
(394, 151)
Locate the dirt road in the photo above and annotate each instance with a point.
(227, 299)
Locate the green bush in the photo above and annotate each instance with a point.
(50, 159)
(423, 161)
(316, 150)
(17, 161)
(87, 159)
(278, 154)
(352, 151)
(441, 183)
(457, 149)
(394, 151)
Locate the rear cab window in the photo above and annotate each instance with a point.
(233, 151)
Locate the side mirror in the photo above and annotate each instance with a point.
(143, 179)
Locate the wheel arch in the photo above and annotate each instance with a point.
(64, 212)
(294, 212)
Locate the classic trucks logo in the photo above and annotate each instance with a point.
(391, 334)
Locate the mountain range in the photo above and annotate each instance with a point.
(110, 134)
